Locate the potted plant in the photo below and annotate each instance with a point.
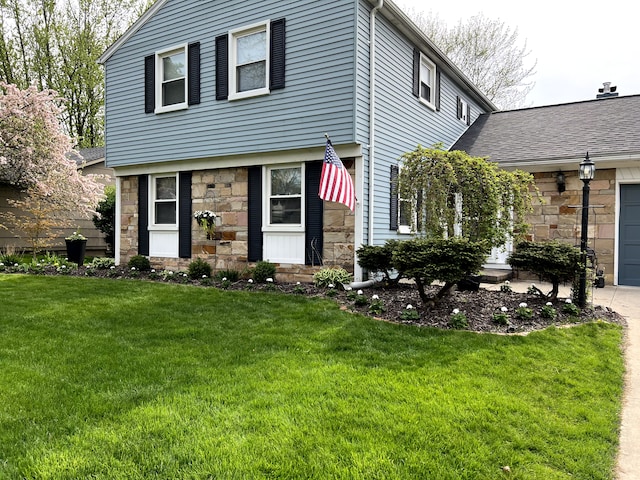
(207, 221)
(76, 247)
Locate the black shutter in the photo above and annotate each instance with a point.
(149, 84)
(143, 215)
(222, 67)
(468, 114)
(437, 92)
(277, 64)
(416, 72)
(393, 199)
(313, 230)
(184, 215)
(194, 73)
(458, 108)
(255, 214)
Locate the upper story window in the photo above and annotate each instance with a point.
(250, 61)
(285, 191)
(172, 79)
(164, 201)
(249, 66)
(427, 81)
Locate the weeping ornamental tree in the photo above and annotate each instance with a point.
(461, 206)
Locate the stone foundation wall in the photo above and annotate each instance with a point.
(224, 191)
(560, 216)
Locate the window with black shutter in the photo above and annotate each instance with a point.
(241, 60)
(172, 79)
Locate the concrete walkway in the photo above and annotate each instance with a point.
(625, 301)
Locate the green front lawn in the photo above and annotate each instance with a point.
(124, 379)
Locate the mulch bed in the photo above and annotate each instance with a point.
(478, 306)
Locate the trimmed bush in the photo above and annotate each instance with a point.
(199, 269)
(553, 262)
(447, 260)
(140, 263)
(378, 259)
(263, 270)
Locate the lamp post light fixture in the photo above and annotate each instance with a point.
(587, 172)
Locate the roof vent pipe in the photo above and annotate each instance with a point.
(607, 91)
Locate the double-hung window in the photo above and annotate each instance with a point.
(164, 195)
(171, 79)
(285, 197)
(249, 61)
(427, 81)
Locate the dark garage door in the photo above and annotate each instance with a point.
(629, 259)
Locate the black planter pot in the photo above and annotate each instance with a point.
(76, 250)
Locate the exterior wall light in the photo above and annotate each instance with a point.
(561, 181)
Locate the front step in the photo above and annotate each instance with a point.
(495, 275)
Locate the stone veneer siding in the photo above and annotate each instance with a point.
(224, 191)
(560, 216)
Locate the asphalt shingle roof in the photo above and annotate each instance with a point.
(604, 127)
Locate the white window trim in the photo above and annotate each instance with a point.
(152, 203)
(159, 71)
(266, 204)
(233, 35)
(429, 103)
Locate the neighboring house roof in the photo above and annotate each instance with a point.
(390, 10)
(87, 156)
(551, 135)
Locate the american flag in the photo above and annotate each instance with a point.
(335, 182)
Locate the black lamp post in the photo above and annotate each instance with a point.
(587, 172)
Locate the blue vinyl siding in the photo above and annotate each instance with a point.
(402, 121)
(318, 97)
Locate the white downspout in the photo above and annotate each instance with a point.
(117, 226)
(372, 110)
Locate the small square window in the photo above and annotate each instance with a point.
(427, 81)
(171, 80)
(249, 61)
(283, 208)
(285, 196)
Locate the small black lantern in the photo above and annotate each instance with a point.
(561, 181)
(587, 169)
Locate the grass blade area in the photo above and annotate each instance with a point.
(128, 379)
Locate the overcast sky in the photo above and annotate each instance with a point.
(578, 45)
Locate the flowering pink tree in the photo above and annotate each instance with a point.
(34, 157)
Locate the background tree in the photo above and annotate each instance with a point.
(487, 51)
(55, 44)
(34, 159)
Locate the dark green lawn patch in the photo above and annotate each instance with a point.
(128, 379)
